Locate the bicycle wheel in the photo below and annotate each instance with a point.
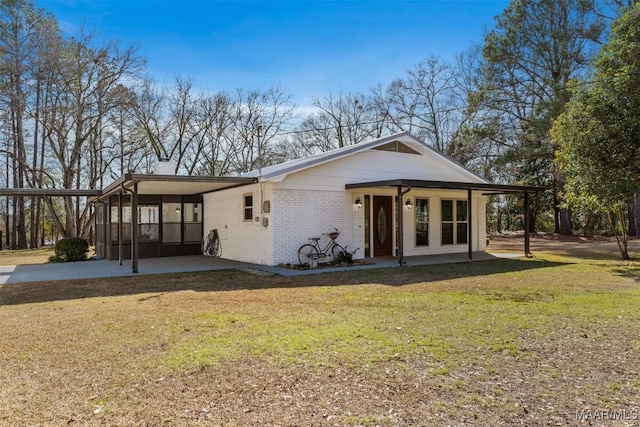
(216, 248)
(306, 254)
(217, 245)
(211, 244)
(337, 250)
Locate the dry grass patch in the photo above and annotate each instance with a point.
(503, 342)
(25, 256)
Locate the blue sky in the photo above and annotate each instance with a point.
(307, 47)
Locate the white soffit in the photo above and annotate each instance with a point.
(181, 188)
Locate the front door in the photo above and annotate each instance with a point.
(381, 226)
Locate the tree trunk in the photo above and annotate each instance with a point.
(40, 179)
(564, 214)
(35, 211)
(6, 223)
(59, 227)
(14, 219)
(632, 219)
(556, 213)
(6, 201)
(532, 221)
(565, 222)
(622, 239)
(637, 212)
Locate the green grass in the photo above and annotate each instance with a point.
(368, 324)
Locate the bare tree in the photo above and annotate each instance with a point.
(124, 143)
(475, 141)
(346, 118)
(152, 116)
(213, 118)
(258, 117)
(79, 103)
(423, 103)
(315, 134)
(21, 39)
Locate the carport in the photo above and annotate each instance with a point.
(164, 211)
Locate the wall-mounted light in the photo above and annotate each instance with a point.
(408, 204)
(178, 209)
(358, 203)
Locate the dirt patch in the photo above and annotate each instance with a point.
(598, 247)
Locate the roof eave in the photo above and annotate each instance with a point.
(128, 180)
(488, 187)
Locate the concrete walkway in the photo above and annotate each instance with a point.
(102, 268)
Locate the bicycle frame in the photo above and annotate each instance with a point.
(327, 249)
(313, 251)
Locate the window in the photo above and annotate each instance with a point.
(455, 225)
(148, 223)
(126, 224)
(422, 222)
(181, 222)
(171, 215)
(248, 207)
(462, 226)
(192, 222)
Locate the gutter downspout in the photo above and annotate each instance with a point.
(120, 229)
(470, 222)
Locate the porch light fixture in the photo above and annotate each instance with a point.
(178, 209)
(408, 204)
(358, 203)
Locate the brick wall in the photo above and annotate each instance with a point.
(297, 214)
(300, 214)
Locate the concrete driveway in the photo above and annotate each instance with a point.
(102, 268)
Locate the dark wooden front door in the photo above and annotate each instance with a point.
(381, 226)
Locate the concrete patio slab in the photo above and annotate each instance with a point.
(102, 268)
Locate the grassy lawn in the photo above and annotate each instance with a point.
(508, 342)
(26, 256)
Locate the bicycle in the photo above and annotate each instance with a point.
(311, 251)
(211, 244)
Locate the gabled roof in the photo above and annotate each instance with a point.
(280, 171)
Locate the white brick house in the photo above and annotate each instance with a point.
(393, 196)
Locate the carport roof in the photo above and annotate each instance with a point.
(172, 184)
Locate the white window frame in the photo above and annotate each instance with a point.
(454, 221)
(417, 222)
(247, 209)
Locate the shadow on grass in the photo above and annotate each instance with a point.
(232, 280)
(630, 272)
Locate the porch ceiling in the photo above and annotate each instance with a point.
(487, 188)
(173, 184)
